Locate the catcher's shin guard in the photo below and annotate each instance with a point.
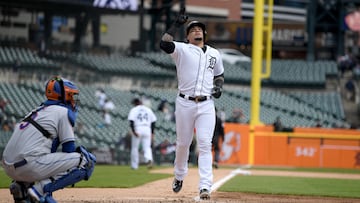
(83, 172)
(71, 178)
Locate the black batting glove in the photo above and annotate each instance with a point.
(181, 18)
(216, 92)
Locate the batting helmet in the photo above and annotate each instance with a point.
(196, 23)
(63, 90)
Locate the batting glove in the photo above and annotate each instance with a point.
(216, 92)
(181, 18)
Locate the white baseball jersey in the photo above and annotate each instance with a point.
(196, 73)
(142, 116)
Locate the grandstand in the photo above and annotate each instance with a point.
(303, 103)
(298, 107)
(303, 93)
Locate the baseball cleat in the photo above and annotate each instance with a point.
(50, 199)
(35, 195)
(18, 191)
(204, 194)
(177, 185)
(149, 164)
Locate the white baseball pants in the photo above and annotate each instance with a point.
(189, 116)
(145, 141)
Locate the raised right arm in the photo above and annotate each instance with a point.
(166, 43)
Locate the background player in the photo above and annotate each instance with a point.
(31, 154)
(200, 76)
(142, 123)
(218, 135)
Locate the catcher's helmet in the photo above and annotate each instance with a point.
(63, 90)
(196, 23)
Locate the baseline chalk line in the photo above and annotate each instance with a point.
(219, 183)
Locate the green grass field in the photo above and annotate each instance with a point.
(106, 176)
(294, 186)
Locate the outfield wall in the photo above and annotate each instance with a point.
(305, 147)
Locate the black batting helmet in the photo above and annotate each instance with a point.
(196, 23)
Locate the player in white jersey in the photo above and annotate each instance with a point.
(200, 74)
(142, 123)
(31, 158)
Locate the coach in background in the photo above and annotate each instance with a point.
(31, 158)
(218, 135)
(200, 74)
(142, 123)
(279, 127)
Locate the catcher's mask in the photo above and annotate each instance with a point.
(63, 90)
(196, 23)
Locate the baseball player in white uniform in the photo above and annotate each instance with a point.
(31, 158)
(200, 78)
(142, 123)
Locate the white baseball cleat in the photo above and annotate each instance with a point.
(36, 194)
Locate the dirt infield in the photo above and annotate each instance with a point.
(160, 191)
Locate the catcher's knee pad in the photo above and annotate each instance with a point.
(87, 161)
(71, 178)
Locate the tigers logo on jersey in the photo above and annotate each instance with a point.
(212, 62)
